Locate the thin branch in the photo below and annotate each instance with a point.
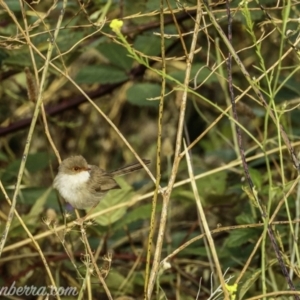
(158, 152)
(242, 152)
(167, 192)
(35, 114)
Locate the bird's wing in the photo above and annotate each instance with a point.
(100, 181)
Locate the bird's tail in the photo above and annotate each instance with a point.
(129, 168)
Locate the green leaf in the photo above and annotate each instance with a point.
(249, 283)
(35, 162)
(142, 212)
(64, 44)
(257, 179)
(37, 197)
(3, 55)
(28, 196)
(38, 161)
(239, 237)
(148, 44)
(3, 156)
(18, 59)
(213, 184)
(244, 218)
(113, 198)
(37, 208)
(140, 92)
(116, 54)
(115, 279)
(193, 250)
(101, 74)
(14, 5)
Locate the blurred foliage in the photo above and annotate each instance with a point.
(128, 93)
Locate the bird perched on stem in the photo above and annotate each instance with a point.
(84, 185)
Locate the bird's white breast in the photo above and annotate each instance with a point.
(71, 186)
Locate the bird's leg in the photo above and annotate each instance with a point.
(80, 221)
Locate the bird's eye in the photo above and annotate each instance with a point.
(75, 168)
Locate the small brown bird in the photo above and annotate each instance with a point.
(84, 185)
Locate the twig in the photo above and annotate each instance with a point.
(87, 245)
(158, 152)
(251, 82)
(204, 223)
(242, 152)
(34, 118)
(146, 196)
(32, 238)
(167, 192)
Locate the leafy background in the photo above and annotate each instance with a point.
(128, 92)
